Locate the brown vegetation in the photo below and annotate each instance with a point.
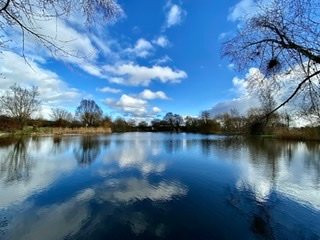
(300, 134)
(72, 131)
(89, 120)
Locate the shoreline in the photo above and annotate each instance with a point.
(51, 132)
(56, 132)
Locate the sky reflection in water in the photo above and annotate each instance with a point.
(166, 186)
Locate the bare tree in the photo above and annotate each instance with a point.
(205, 116)
(89, 112)
(309, 109)
(24, 15)
(268, 103)
(286, 118)
(280, 38)
(59, 114)
(20, 103)
(174, 120)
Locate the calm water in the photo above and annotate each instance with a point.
(159, 186)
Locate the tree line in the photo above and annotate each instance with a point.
(279, 38)
(19, 105)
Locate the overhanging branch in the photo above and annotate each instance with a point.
(293, 94)
(5, 6)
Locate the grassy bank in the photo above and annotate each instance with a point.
(48, 131)
(301, 134)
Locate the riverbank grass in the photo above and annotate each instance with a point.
(48, 131)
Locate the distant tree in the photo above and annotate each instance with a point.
(231, 122)
(159, 125)
(120, 125)
(89, 113)
(169, 118)
(131, 123)
(107, 121)
(60, 115)
(255, 124)
(20, 103)
(234, 112)
(268, 103)
(287, 119)
(191, 124)
(174, 120)
(309, 108)
(267, 100)
(281, 39)
(205, 116)
(143, 126)
(25, 14)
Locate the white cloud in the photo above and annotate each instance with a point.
(241, 10)
(174, 15)
(149, 95)
(142, 48)
(53, 90)
(66, 37)
(109, 90)
(132, 74)
(222, 35)
(118, 80)
(136, 155)
(156, 110)
(231, 66)
(92, 69)
(129, 105)
(75, 47)
(241, 104)
(247, 92)
(134, 189)
(163, 60)
(293, 180)
(162, 41)
(244, 99)
(133, 107)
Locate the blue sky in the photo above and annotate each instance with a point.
(160, 56)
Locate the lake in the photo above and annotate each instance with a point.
(159, 186)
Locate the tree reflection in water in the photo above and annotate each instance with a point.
(312, 161)
(267, 153)
(17, 165)
(88, 150)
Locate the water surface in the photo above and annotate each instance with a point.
(158, 186)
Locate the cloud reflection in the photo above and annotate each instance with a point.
(54, 222)
(269, 166)
(28, 167)
(137, 154)
(133, 189)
